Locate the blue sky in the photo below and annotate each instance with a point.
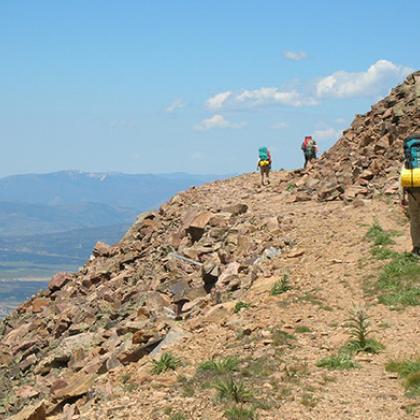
(192, 86)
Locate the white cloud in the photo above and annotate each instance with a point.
(279, 125)
(260, 97)
(270, 95)
(377, 80)
(216, 121)
(294, 55)
(326, 134)
(175, 105)
(217, 101)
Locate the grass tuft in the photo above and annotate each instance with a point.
(341, 361)
(165, 363)
(232, 390)
(220, 367)
(281, 286)
(359, 327)
(399, 281)
(240, 413)
(241, 305)
(409, 370)
(378, 236)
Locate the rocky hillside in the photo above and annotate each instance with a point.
(366, 160)
(224, 303)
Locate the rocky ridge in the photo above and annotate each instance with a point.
(179, 269)
(366, 160)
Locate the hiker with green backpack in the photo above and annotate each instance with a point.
(264, 164)
(310, 149)
(410, 187)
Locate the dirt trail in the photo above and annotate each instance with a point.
(328, 269)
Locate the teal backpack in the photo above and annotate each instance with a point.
(412, 151)
(263, 153)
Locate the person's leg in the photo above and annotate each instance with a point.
(414, 213)
(262, 174)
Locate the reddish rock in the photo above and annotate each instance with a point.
(58, 281)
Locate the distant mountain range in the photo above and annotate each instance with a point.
(50, 222)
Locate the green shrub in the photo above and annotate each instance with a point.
(232, 390)
(378, 236)
(240, 413)
(409, 370)
(302, 329)
(281, 286)
(241, 305)
(399, 281)
(359, 327)
(340, 362)
(166, 362)
(226, 365)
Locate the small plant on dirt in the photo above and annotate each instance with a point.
(282, 338)
(290, 187)
(308, 400)
(174, 415)
(232, 390)
(409, 370)
(359, 327)
(177, 416)
(281, 286)
(381, 253)
(378, 236)
(240, 413)
(241, 305)
(302, 329)
(165, 363)
(341, 361)
(220, 367)
(399, 281)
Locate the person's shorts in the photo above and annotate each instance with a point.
(265, 169)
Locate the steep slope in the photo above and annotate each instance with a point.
(366, 160)
(85, 347)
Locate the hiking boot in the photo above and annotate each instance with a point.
(415, 252)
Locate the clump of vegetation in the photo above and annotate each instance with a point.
(399, 281)
(259, 368)
(282, 338)
(240, 413)
(309, 400)
(174, 415)
(232, 390)
(222, 366)
(381, 253)
(302, 329)
(241, 305)
(281, 286)
(378, 236)
(341, 361)
(290, 187)
(359, 328)
(409, 370)
(165, 363)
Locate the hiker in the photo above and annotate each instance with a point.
(410, 187)
(310, 149)
(264, 164)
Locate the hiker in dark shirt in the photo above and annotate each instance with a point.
(310, 149)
